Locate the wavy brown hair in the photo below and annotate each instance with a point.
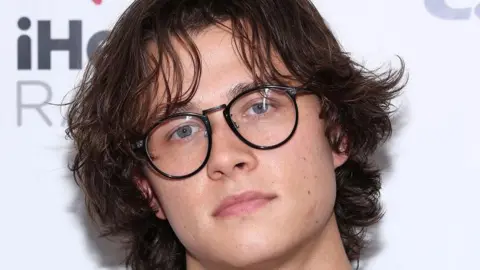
(111, 109)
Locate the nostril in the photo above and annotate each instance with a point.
(241, 165)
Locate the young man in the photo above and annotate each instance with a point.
(228, 134)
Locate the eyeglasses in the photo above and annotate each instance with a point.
(263, 117)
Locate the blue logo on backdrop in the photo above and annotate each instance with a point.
(440, 9)
(72, 45)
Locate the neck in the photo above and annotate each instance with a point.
(323, 251)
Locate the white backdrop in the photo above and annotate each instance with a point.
(430, 192)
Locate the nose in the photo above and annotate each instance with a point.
(229, 155)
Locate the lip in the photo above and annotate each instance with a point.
(243, 203)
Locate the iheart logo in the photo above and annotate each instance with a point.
(442, 10)
(97, 2)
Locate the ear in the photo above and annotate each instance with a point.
(340, 157)
(144, 186)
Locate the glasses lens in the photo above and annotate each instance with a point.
(265, 117)
(178, 146)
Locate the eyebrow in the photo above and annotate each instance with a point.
(233, 92)
(239, 88)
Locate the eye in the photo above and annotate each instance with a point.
(184, 132)
(259, 107)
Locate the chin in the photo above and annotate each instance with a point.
(259, 249)
(248, 259)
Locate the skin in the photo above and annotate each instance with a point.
(297, 229)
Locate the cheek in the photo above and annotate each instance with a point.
(188, 206)
(303, 170)
(172, 198)
(307, 157)
(305, 181)
(182, 203)
(310, 174)
(179, 199)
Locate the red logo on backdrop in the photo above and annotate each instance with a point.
(97, 2)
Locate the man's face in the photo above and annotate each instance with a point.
(298, 176)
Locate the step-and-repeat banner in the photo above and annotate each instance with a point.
(430, 190)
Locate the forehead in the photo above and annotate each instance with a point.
(222, 68)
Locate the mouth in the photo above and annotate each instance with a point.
(243, 203)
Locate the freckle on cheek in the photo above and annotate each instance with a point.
(309, 192)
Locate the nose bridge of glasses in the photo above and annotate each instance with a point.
(214, 109)
(222, 107)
